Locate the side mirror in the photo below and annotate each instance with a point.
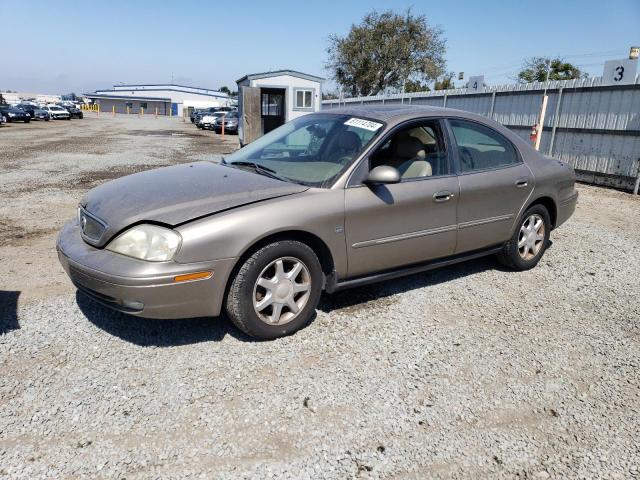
(383, 174)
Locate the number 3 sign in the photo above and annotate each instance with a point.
(620, 72)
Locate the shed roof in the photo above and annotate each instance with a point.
(126, 97)
(276, 73)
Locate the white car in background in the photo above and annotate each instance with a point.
(57, 112)
(209, 120)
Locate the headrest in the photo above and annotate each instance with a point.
(409, 147)
(349, 141)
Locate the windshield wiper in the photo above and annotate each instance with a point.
(261, 169)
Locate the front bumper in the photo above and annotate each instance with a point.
(227, 128)
(146, 289)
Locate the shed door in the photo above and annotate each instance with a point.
(251, 118)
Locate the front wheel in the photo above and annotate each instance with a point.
(276, 291)
(529, 241)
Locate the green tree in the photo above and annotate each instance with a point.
(445, 82)
(535, 70)
(225, 89)
(330, 95)
(415, 86)
(384, 50)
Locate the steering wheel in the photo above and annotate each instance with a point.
(466, 158)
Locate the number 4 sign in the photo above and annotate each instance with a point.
(476, 84)
(620, 72)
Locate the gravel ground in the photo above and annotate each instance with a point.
(466, 372)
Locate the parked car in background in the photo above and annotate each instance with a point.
(198, 114)
(57, 112)
(202, 112)
(330, 200)
(230, 120)
(207, 121)
(74, 111)
(194, 113)
(14, 114)
(3, 119)
(35, 111)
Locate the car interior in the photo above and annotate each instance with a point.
(417, 151)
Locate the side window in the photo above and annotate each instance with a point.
(416, 151)
(480, 147)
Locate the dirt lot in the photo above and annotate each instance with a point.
(467, 372)
(45, 167)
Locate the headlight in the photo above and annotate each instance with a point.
(147, 242)
(11, 114)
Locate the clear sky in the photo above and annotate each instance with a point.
(63, 46)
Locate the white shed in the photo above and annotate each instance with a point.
(270, 99)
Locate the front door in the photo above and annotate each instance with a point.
(394, 225)
(272, 108)
(494, 185)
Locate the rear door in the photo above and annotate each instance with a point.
(494, 185)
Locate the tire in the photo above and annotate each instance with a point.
(245, 294)
(533, 245)
(27, 121)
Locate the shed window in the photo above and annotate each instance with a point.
(304, 98)
(128, 104)
(143, 105)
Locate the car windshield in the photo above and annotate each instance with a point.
(312, 150)
(55, 107)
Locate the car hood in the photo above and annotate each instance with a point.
(178, 194)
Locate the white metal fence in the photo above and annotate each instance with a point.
(595, 128)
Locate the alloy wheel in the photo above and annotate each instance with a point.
(531, 237)
(281, 291)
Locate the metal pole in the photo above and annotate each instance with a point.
(493, 103)
(556, 117)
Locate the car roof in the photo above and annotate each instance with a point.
(396, 113)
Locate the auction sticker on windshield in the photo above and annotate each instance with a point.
(362, 123)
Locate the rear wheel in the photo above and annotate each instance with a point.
(529, 241)
(276, 290)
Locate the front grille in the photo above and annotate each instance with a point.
(92, 228)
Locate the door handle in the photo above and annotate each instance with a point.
(443, 196)
(522, 182)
